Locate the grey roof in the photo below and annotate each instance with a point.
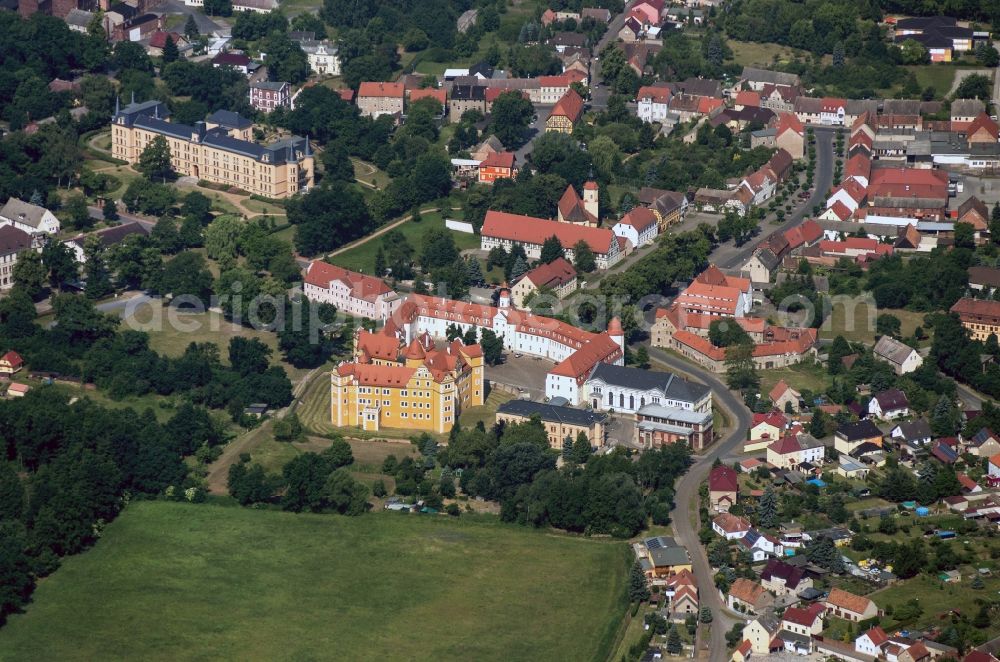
(967, 107)
(676, 414)
(794, 637)
(767, 257)
(901, 107)
(918, 429)
(768, 76)
(13, 240)
(302, 35)
(157, 125)
(229, 119)
(269, 85)
(79, 17)
(664, 551)
(133, 110)
(23, 212)
(672, 386)
(468, 93)
(769, 622)
(549, 412)
(859, 430)
(113, 235)
(892, 350)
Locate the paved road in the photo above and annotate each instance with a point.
(536, 129)
(599, 92)
(97, 214)
(729, 257)
(205, 24)
(686, 501)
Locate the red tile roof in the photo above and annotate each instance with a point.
(983, 121)
(429, 93)
(13, 358)
(376, 89)
(746, 590)
(708, 104)
(774, 418)
(654, 93)
(853, 188)
(369, 288)
(640, 218)
(805, 616)
(530, 230)
(877, 636)
(806, 233)
(572, 209)
(846, 600)
(498, 160)
(730, 523)
(747, 98)
(976, 308)
(554, 274)
(569, 106)
(789, 122)
(858, 165)
(378, 345)
(723, 479)
(377, 375)
(842, 211)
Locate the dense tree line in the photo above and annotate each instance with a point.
(65, 472)
(610, 494)
(961, 357)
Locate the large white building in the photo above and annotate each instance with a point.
(639, 226)
(323, 56)
(627, 390)
(653, 103)
(28, 217)
(574, 350)
(507, 230)
(355, 294)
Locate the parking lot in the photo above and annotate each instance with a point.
(526, 373)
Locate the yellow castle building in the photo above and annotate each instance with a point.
(421, 387)
(218, 150)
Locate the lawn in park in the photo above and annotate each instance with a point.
(171, 581)
(362, 257)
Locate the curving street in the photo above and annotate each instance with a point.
(686, 501)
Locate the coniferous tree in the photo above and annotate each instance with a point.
(170, 52)
(674, 645)
(638, 590)
(110, 210)
(767, 510)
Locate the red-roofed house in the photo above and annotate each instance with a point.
(790, 135)
(438, 94)
(851, 607)
(748, 597)
(983, 130)
(17, 390)
(497, 165)
(859, 168)
(653, 102)
(558, 277)
(723, 488)
(794, 450)
(716, 294)
(376, 99)
(803, 236)
(806, 621)
(356, 294)
(638, 226)
(566, 113)
(838, 211)
(784, 397)
(504, 229)
(746, 98)
(10, 363)
(850, 193)
(765, 430)
(871, 642)
(730, 526)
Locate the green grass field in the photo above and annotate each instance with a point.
(805, 375)
(862, 328)
(938, 76)
(362, 257)
(172, 581)
(487, 413)
(754, 54)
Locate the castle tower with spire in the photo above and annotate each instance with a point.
(590, 194)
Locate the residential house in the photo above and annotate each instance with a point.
(899, 355)
(723, 488)
(912, 433)
(983, 444)
(715, 294)
(626, 390)
(13, 243)
(682, 589)
(560, 423)
(265, 96)
(17, 390)
(850, 193)
(557, 277)
(974, 212)
(497, 165)
(237, 61)
(730, 526)
(790, 135)
(653, 103)
(849, 436)
(748, 597)
(376, 99)
(661, 557)
(668, 206)
(108, 237)
(850, 468)
(785, 398)
(803, 621)
(851, 607)
(871, 642)
(779, 98)
(760, 546)
(505, 229)
(796, 451)
(358, 295)
(980, 316)
(631, 31)
(465, 98)
(28, 217)
(761, 632)
(963, 111)
(323, 56)
(639, 226)
(10, 363)
(437, 94)
(889, 405)
(566, 113)
(982, 130)
(762, 266)
(766, 429)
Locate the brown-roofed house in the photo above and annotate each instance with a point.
(566, 113)
(748, 597)
(851, 607)
(557, 277)
(723, 488)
